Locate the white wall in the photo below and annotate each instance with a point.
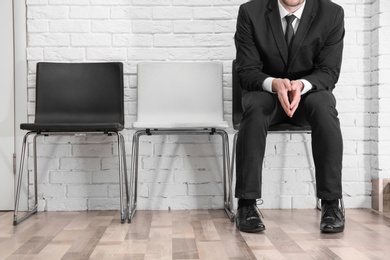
(6, 106)
(380, 54)
(183, 172)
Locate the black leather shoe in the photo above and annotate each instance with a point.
(248, 219)
(332, 218)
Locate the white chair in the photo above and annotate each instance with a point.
(180, 98)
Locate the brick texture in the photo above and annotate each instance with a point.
(185, 172)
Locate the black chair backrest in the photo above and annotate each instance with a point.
(79, 93)
(237, 109)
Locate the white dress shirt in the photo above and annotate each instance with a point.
(267, 83)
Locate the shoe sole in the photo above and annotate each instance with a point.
(333, 230)
(255, 230)
(252, 231)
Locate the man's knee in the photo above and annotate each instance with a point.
(321, 105)
(258, 103)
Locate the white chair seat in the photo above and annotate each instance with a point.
(176, 125)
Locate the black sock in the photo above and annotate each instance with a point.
(245, 202)
(329, 202)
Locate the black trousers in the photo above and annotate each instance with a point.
(262, 109)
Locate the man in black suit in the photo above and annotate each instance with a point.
(288, 61)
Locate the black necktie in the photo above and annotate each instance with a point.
(289, 30)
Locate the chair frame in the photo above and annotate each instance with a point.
(124, 204)
(279, 131)
(227, 177)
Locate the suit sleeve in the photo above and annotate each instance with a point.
(248, 61)
(327, 63)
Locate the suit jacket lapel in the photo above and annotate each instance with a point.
(304, 25)
(276, 27)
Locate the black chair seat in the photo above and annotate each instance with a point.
(72, 127)
(283, 127)
(287, 127)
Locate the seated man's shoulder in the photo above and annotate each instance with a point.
(256, 5)
(253, 3)
(328, 3)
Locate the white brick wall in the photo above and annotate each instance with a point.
(183, 172)
(381, 95)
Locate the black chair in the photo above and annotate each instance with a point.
(77, 98)
(237, 116)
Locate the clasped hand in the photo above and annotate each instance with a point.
(289, 94)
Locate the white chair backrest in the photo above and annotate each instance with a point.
(181, 94)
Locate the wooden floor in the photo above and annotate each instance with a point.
(191, 235)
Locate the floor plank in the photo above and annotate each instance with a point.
(192, 234)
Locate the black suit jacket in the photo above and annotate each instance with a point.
(316, 51)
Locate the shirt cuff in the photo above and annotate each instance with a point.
(267, 84)
(306, 86)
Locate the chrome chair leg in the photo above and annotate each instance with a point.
(17, 220)
(122, 178)
(234, 154)
(126, 178)
(134, 174)
(342, 206)
(227, 177)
